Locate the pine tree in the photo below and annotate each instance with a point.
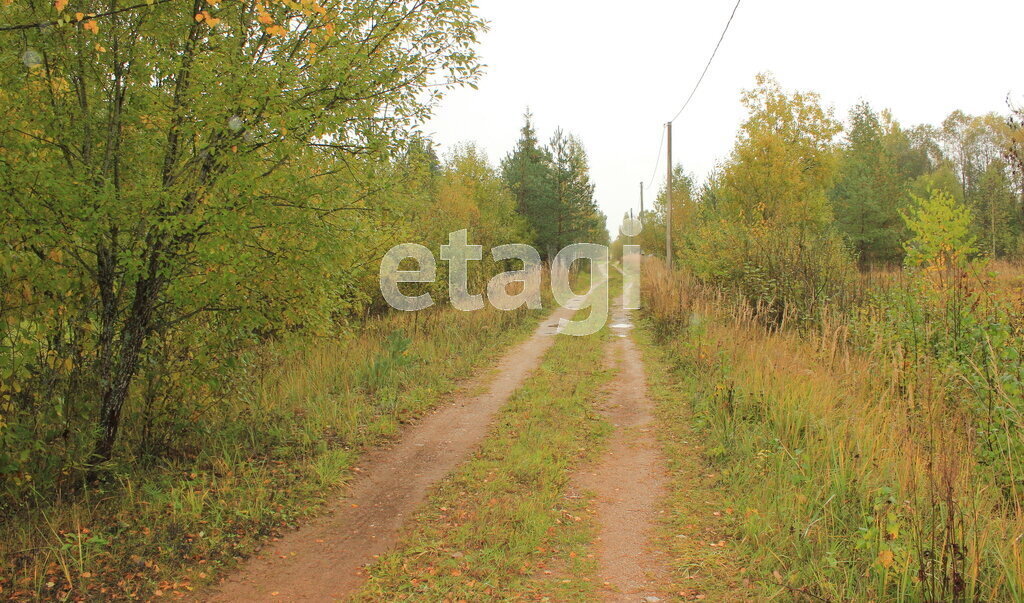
(578, 218)
(529, 174)
(868, 194)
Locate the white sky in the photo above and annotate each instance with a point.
(613, 73)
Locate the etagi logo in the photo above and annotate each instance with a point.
(458, 253)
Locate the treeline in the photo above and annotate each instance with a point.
(183, 186)
(552, 188)
(801, 199)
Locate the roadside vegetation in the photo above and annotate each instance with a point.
(699, 525)
(845, 327)
(253, 464)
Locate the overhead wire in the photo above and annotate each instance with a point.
(708, 65)
(657, 161)
(689, 98)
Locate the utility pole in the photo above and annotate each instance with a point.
(668, 203)
(641, 200)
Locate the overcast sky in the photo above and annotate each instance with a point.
(613, 72)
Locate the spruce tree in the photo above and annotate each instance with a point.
(868, 193)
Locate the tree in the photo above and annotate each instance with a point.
(491, 207)
(914, 151)
(1013, 154)
(684, 215)
(868, 192)
(941, 228)
(528, 173)
(553, 190)
(190, 171)
(578, 217)
(765, 226)
(995, 209)
(783, 163)
(972, 143)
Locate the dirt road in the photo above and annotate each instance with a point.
(323, 560)
(629, 481)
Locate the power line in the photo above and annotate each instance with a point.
(657, 161)
(708, 65)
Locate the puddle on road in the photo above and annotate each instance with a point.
(621, 326)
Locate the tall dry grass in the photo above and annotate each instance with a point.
(853, 458)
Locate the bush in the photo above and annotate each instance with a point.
(785, 274)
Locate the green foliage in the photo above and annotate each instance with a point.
(553, 190)
(764, 226)
(685, 209)
(878, 456)
(941, 230)
(195, 174)
(950, 320)
(578, 219)
(996, 211)
(528, 174)
(868, 193)
(783, 163)
(249, 465)
(784, 273)
(385, 370)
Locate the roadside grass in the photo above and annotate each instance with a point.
(504, 526)
(262, 460)
(852, 473)
(699, 527)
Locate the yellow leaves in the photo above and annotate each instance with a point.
(55, 255)
(276, 30)
(55, 363)
(205, 16)
(91, 26)
(100, 48)
(79, 16)
(264, 17)
(60, 5)
(886, 558)
(213, 2)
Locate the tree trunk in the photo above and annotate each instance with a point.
(116, 388)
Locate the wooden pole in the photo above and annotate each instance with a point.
(641, 201)
(668, 203)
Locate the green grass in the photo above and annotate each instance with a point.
(268, 457)
(503, 527)
(699, 526)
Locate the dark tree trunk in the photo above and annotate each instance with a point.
(116, 387)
